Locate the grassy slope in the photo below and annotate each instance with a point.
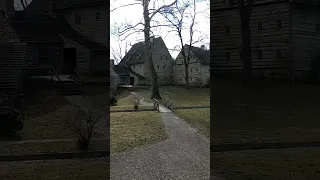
(129, 130)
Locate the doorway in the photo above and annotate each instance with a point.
(69, 60)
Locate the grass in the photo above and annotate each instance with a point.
(180, 96)
(74, 169)
(134, 129)
(199, 118)
(48, 147)
(294, 164)
(266, 112)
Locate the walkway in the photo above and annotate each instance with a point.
(186, 155)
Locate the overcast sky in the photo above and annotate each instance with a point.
(134, 14)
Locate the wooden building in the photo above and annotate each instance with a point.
(285, 36)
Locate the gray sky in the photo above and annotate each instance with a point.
(134, 15)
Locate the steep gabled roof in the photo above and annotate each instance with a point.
(136, 54)
(35, 27)
(202, 54)
(67, 4)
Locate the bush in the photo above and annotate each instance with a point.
(113, 100)
(9, 121)
(135, 100)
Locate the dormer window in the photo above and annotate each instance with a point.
(98, 16)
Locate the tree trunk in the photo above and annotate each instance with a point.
(186, 67)
(154, 82)
(245, 14)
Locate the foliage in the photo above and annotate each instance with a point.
(9, 121)
(113, 100)
(84, 123)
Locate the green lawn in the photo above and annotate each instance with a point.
(294, 164)
(180, 96)
(133, 129)
(267, 112)
(198, 118)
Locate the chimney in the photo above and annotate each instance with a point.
(7, 6)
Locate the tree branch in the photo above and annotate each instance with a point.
(162, 7)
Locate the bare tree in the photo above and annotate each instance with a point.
(83, 124)
(148, 15)
(122, 46)
(245, 10)
(177, 18)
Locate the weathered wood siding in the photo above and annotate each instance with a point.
(96, 30)
(266, 42)
(83, 55)
(305, 38)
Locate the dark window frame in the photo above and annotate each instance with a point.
(260, 27)
(43, 57)
(279, 24)
(228, 57)
(98, 16)
(77, 18)
(259, 54)
(279, 54)
(228, 30)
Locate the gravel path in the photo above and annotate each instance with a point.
(186, 155)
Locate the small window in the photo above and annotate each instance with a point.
(260, 27)
(166, 57)
(318, 28)
(164, 66)
(279, 24)
(98, 16)
(181, 79)
(181, 70)
(279, 55)
(190, 69)
(140, 65)
(228, 57)
(165, 77)
(227, 30)
(77, 18)
(259, 54)
(158, 66)
(191, 78)
(161, 58)
(43, 57)
(197, 69)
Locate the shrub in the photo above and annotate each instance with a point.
(9, 121)
(84, 123)
(135, 99)
(113, 99)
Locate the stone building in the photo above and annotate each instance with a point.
(199, 67)
(133, 67)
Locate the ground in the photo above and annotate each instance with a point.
(270, 111)
(132, 129)
(73, 169)
(198, 118)
(45, 124)
(181, 97)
